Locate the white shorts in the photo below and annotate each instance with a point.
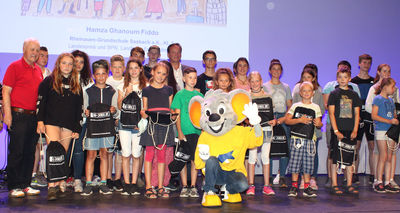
(381, 135)
(130, 143)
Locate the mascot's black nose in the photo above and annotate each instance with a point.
(214, 117)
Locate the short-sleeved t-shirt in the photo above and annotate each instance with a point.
(204, 83)
(114, 83)
(363, 85)
(181, 102)
(332, 85)
(280, 94)
(157, 99)
(24, 80)
(345, 102)
(386, 109)
(312, 106)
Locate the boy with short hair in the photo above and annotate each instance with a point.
(100, 105)
(344, 112)
(328, 88)
(186, 131)
(303, 117)
(137, 53)
(154, 54)
(117, 69)
(205, 80)
(364, 82)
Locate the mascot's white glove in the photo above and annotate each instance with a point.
(204, 151)
(251, 112)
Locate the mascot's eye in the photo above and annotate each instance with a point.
(208, 113)
(221, 109)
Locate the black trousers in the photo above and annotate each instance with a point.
(21, 150)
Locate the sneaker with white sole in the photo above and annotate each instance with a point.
(184, 192)
(104, 189)
(78, 185)
(309, 192)
(38, 182)
(31, 191)
(267, 190)
(251, 190)
(88, 190)
(193, 192)
(16, 193)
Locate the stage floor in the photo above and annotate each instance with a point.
(366, 201)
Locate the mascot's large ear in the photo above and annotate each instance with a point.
(195, 110)
(238, 99)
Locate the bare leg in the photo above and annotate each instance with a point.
(118, 166)
(103, 164)
(383, 159)
(147, 173)
(135, 169)
(125, 168)
(184, 175)
(90, 157)
(193, 173)
(334, 175)
(110, 165)
(250, 176)
(266, 174)
(161, 171)
(371, 157)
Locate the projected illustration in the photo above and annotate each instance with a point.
(209, 12)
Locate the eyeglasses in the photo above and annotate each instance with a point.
(209, 59)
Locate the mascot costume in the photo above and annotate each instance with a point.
(222, 145)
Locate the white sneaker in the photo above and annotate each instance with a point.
(394, 184)
(16, 193)
(276, 180)
(78, 185)
(31, 191)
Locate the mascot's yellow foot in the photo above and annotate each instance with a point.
(232, 198)
(210, 199)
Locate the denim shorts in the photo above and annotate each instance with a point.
(98, 143)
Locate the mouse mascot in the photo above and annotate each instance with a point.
(222, 145)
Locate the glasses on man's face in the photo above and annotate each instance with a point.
(209, 59)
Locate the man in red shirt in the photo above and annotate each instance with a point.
(20, 93)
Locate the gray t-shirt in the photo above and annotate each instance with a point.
(280, 94)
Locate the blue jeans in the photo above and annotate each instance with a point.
(283, 161)
(78, 158)
(235, 182)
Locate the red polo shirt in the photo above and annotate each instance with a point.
(24, 81)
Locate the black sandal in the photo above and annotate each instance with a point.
(351, 190)
(162, 192)
(150, 193)
(336, 190)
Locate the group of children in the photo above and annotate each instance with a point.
(141, 103)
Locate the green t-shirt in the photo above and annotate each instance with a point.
(181, 102)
